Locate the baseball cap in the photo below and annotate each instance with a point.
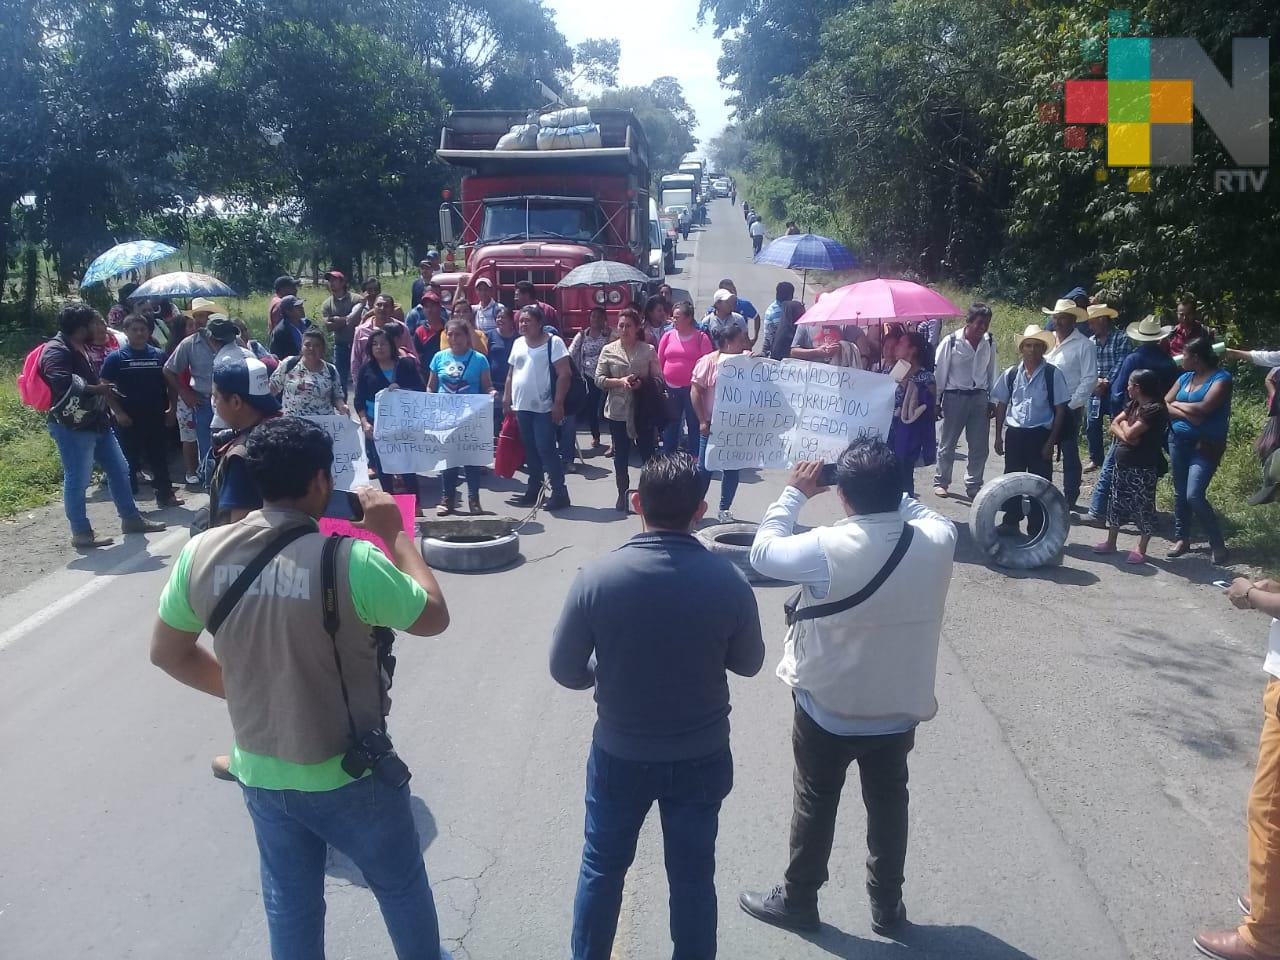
(336, 275)
(247, 377)
(433, 254)
(722, 295)
(285, 281)
(287, 303)
(430, 297)
(483, 282)
(221, 328)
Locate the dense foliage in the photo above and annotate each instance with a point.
(915, 130)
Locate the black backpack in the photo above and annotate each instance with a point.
(1049, 371)
(576, 398)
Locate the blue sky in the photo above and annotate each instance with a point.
(661, 39)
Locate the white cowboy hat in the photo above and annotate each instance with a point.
(1035, 332)
(1102, 310)
(1147, 329)
(1066, 306)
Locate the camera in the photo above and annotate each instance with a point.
(375, 752)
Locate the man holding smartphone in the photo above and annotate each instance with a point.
(860, 657)
(1258, 936)
(266, 588)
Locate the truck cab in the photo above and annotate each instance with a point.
(536, 214)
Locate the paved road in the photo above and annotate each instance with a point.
(1080, 794)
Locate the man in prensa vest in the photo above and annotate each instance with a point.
(305, 677)
(860, 658)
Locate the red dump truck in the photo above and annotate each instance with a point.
(536, 214)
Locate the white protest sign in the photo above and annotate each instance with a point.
(771, 414)
(427, 432)
(350, 467)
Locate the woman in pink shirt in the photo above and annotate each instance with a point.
(733, 340)
(679, 350)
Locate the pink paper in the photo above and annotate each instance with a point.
(407, 503)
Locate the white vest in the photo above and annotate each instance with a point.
(877, 660)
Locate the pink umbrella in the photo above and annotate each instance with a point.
(871, 302)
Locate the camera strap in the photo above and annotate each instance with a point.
(329, 597)
(242, 583)
(795, 613)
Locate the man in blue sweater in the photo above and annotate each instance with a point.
(664, 619)
(1148, 354)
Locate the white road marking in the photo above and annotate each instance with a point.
(102, 580)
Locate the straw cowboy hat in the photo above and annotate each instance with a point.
(204, 305)
(1148, 329)
(1034, 332)
(1068, 307)
(1102, 310)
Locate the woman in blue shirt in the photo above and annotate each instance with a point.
(386, 369)
(1199, 412)
(460, 369)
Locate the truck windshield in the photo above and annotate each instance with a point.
(655, 234)
(558, 219)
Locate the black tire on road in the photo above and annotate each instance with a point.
(1020, 553)
(733, 542)
(471, 554)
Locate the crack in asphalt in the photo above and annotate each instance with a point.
(474, 880)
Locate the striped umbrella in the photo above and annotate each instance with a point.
(124, 257)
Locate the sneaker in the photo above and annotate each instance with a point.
(1177, 550)
(1091, 467)
(141, 524)
(940, 492)
(772, 907)
(1091, 519)
(445, 508)
(527, 499)
(88, 540)
(621, 505)
(473, 505)
(724, 516)
(193, 480)
(173, 500)
(559, 501)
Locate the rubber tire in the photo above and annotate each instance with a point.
(1045, 550)
(737, 554)
(488, 553)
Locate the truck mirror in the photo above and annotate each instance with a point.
(446, 224)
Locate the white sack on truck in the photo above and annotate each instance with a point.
(523, 136)
(582, 137)
(569, 117)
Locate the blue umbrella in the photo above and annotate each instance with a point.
(124, 257)
(170, 286)
(807, 251)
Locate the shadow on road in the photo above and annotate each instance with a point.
(924, 941)
(340, 867)
(968, 552)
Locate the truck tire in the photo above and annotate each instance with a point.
(471, 554)
(733, 542)
(1018, 553)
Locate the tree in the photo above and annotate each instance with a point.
(596, 62)
(730, 149)
(666, 116)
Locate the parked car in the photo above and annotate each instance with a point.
(721, 187)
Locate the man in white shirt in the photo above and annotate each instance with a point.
(757, 236)
(1076, 356)
(861, 672)
(965, 370)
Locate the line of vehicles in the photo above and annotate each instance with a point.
(536, 214)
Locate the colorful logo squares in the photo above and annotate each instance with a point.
(1128, 101)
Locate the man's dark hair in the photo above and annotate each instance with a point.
(728, 284)
(868, 476)
(285, 454)
(653, 303)
(535, 311)
(74, 316)
(527, 288)
(1189, 300)
(139, 318)
(978, 310)
(126, 291)
(373, 283)
(670, 491)
(784, 291)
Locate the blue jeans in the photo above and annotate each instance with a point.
(449, 481)
(538, 434)
(683, 402)
(619, 795)
(368, 821)
(1102, 488)
(1192, 473)
(567, 439)
(1072, 468)
(728, 478)
(342, 360)
(1094, 434)
(79, 450)
(203, 414)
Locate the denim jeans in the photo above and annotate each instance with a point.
(728, 478)
(342, 360)
(1192, 473)
(619, 795)
(567, 439)
(449, 481)
(1102, 486)
(1094, 433)
(80, 450)
(685, 414)
(204, 427)
(1072, 468)
(538, 434)
(368, 821)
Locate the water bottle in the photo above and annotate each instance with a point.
(1095, 407)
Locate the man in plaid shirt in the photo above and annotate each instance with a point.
(1112, 346)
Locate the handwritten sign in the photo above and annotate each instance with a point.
(771, 414)
(350, 466)
(408, 505)
(427, 432)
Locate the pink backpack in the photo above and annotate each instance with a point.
(32, 387)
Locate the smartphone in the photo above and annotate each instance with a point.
(1222, 584)
(345, 505)
(828, 475)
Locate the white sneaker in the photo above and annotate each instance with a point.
(193, 480)
(724, 516)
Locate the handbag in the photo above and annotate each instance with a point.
(576, 398)
(653, 405)
(509, 453)
(1269, 440)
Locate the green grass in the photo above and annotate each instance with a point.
(30, 472)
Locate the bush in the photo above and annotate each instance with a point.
(245, 249)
